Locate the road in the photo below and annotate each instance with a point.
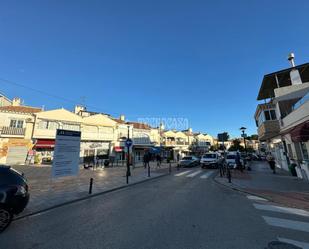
(184, 210)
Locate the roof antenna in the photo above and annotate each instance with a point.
(291, 59)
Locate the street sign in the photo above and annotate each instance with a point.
(129, 142)
(244, 135)
(66, 153)
(223, 136)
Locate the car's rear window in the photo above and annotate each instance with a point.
(230, 157)
(209, 156)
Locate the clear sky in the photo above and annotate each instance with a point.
(198, 60)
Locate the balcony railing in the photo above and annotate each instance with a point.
(12, 131)
(268, 129)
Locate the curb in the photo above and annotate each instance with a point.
(87, 197)
(240, 190)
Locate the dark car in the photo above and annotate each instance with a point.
(189, 161)
(14, 195)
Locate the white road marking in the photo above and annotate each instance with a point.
(194, 173)
(206, 175)
(183, 173)
(290, 224)
(285, 210)
(256, 198)
(303, 245)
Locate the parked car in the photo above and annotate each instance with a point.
(189, 161)
(14, 195)
(211, 160)
(230, 160)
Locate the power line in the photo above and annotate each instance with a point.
(45, 93)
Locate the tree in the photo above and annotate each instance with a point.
(253, 137)
(236, 146)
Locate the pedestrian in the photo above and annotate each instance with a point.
(271, 162)
(145, 160)
(158, 157)
(178, 157)
(238, 162)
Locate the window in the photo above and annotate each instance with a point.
(267, 115)
(16, 123)
(273, 114)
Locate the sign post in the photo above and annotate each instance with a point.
(66, 153)
(128, 143)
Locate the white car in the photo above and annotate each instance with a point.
(211, 160)
(230, 160)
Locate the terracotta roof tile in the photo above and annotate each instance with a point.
(137, 125)
(20, 109)
(118, 120)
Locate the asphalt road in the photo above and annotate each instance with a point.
(185, 211)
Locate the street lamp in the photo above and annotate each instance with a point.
(243, 129)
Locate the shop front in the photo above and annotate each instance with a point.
(43, 151)
(93, 151)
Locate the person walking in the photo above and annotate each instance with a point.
(158, 157)
(145, 160)
(271, 162)
(238, 162)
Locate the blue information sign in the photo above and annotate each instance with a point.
(129, 142)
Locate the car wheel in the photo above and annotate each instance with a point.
(5, 218)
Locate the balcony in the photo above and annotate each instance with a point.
(268, 130)
(297, 116)
(12, 131)
(175, 143)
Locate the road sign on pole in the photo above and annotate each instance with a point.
(129, 142)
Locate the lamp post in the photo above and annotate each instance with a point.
(243, 129)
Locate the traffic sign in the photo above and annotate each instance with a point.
(129, 142)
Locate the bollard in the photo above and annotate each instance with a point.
(90, 185)
(220, 169)
(170, 168)
(127, 175)
(148, 170)
(229, 176)
(178, 166)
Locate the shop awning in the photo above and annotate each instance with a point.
(118, 149)
(300, 133)
(44, 143)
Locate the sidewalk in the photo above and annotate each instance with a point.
(46, 193)
(281, 188)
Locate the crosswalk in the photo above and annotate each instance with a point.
(284, 223)
(202, 174)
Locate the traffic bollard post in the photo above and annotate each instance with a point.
(90, 186)
(170, 168)
(229, 176)
(148, 170)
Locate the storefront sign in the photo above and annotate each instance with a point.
(66, 154)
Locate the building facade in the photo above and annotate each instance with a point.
(16, 127)
(282, 120)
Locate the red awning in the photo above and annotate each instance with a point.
(118, 149)
(300, 133)
(44, 143)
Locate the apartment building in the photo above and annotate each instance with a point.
(282, 119)
(16, 127)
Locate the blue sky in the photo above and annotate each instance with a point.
(198, 60)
